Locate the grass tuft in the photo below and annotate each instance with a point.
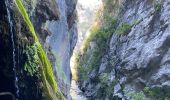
(123, 28)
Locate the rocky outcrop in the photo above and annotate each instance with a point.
(137, 61)
(142, 53)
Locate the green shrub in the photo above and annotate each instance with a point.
(104, 79)
(111, 6)
(137, 95)
(123, 28)
(157, 6)
(90, 58)
(100, 35)
(106, 88)
(31, 64)
(82, 73)
(158, 93)
(89, 62)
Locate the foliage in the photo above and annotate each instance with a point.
(95, 47)
(104, 78)
(96, 42)
(159, 93)
(158, 6)
(101, 33)
(31, 64)
(111, 6)
(91, 60)
(82, 70)
(46, 71)
(82, 73)
(137, 95)
(106, 86)
(123, 28)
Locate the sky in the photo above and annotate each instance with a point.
(90, 3)
(86, 15)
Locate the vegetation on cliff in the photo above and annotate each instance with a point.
(90, 59)
(95, 45)
(46, 72)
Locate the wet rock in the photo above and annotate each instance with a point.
(56, 29)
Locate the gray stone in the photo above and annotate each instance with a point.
(140, 58)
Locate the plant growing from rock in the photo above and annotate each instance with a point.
(107, 87)
(157, 6)
(159, 93)
(137, 95)
(31, 64)
(123, 28)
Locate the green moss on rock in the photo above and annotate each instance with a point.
(46, 72)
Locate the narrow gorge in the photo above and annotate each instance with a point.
(85, 50)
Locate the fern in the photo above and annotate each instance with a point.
(32, 60)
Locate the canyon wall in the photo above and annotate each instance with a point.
(55, 24)
(134, 61)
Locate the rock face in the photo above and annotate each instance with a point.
(62, 39)
(139, 58)
(56, 26)
(143, 53)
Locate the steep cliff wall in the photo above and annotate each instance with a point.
(135, 62)
(55, 25)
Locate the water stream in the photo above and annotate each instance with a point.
(13, 45)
